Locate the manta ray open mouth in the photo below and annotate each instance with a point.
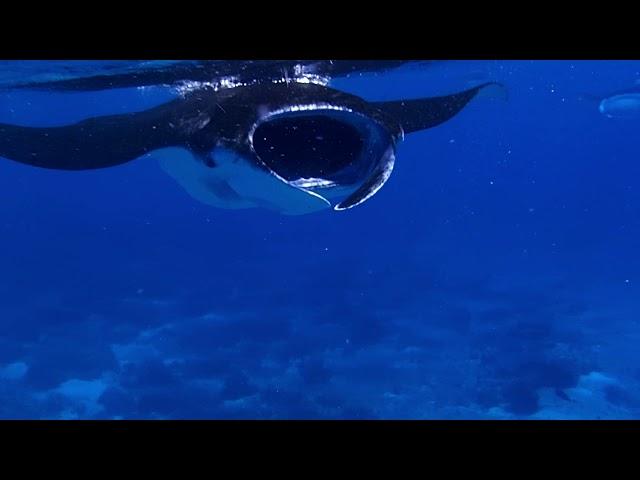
(320, 147)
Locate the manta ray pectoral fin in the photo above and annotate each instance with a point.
(139, 74)
(90, 144)
(424, 113)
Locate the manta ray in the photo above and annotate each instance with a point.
(622, 104)
(241, 134)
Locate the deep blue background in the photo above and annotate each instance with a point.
(494, 276)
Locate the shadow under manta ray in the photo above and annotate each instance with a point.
(290, 146)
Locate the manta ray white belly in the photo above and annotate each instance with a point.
(234, 183)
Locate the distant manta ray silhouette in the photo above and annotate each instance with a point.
(623, 103)
(273, 136)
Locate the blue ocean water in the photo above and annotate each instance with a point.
(495, 276)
